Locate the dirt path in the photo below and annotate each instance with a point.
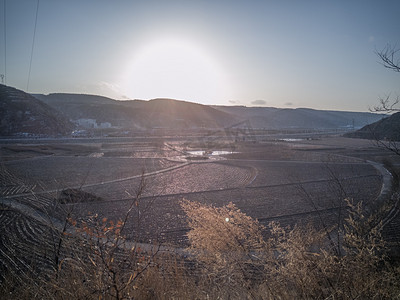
(386, 180)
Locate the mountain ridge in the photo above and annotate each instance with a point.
(259, 117)
(279, 118)
(161, 112)
(87, 111)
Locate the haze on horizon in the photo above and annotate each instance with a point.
(316, 54)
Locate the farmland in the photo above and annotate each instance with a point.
(271, 180)
(45, 182)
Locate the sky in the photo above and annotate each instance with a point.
(315, 54)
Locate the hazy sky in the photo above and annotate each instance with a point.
(317, 54)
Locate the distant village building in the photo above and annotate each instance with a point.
(86, 123)
(105, 125)
(92, 123)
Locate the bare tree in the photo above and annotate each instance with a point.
(387, 105)
(390, 59)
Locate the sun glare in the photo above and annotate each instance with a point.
(172, 68)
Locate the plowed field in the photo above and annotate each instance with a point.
(285, 182)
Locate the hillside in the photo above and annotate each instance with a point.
(169, 113)
(387, 128)
(157, 113)
(275, 118)
(23, 115)
(172, 113)
(98, 108)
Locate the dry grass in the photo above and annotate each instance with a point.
(231, 256)
(295, 263)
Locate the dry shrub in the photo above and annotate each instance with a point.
(168, 278)
(164, 278)
(295, 263)
(294, 272)
(107, 266)
(231, 256)
(366, 273)
(226, 243)
(103, 264)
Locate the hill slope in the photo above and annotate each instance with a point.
(387, 128)
(174, 114)
(23, 114)
(275, 118)
(155, 113)
(101, 109)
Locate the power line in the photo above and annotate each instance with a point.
(33, 44)
(4, 77)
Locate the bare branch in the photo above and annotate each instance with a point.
(387, 105)
(389, 57)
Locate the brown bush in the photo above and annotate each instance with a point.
(295, 263)
(231, 256)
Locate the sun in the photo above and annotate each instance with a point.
(178, 69)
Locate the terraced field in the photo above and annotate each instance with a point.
(58, 172)
(191, 177)
(284, 182)
(25, 244)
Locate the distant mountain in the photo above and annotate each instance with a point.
(172, 113)
(22, 115)
(276, 118)
(157, 113)
(387, 128)
(98, 111)
(98, 108)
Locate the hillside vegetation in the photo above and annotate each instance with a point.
(138, 114)
(169, 113)
(385, 129)
(277, 118)
(60, 113)
(22, 114)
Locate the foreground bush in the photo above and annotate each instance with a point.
(295, 263)
(231, 256)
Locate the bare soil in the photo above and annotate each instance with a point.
(289, 182)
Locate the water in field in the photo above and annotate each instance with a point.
(291, 140)
(208, 153)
